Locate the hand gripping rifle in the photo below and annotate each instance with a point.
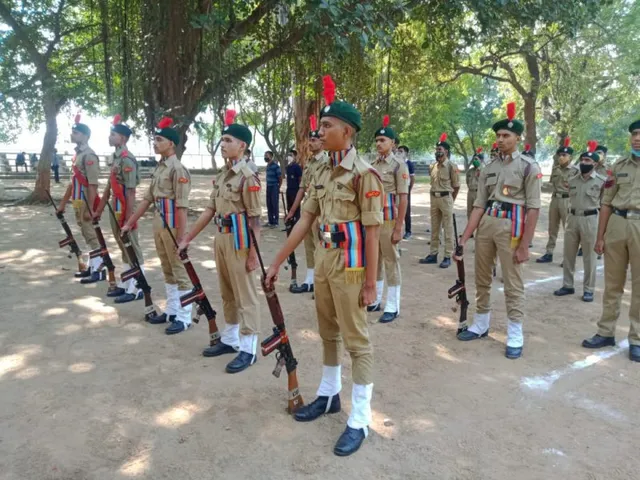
(279, 340)
(288, 225)
(196, 294)
(136, 269)
(101, 252)
(459, 290)
(70, 241)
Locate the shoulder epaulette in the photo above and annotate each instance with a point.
(246, 171)
(600, 177)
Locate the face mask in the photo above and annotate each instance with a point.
(476, 163)
(585, 168)
(290, 159)
(635, 152)
(439, 154)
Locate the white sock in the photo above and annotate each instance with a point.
(379, 290)
(96, 263)
(515, 337)
(249, 343)
(331, 382)
(361, 406)
(309, 279)
(183, 314)
(398, 299)
(231, 335)
(392, 299)
(480, 323)
(172, 292)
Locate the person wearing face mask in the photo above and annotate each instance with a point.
(472, 174)
(403, 150)
(559, 206)
(444, 190)
(619, 239)
(294, 175)
(585, 188)
(601, 167)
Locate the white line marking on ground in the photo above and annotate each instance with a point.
(553, 451)
(544, 382)
(599, 409)
(551, 279)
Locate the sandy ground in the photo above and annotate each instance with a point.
(88, 391)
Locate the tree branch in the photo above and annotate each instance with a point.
(239, 30)
(56, 31)
(36, 57)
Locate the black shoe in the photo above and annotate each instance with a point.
(129, 297)
(158, 319)
(349, 442)
(580, 252)
(513, 352)
(634, 353)
(598, 341)
(446, 262)
(304, 288)
(116, 292)
(587, 297)
(599, 257)
(546, 258)
(373, 308)
(468, 335)
(176, 327)
(83, 274)
(407, 236)
(429, 259)
(388, 317)
(94, 277)
(562, 264)
(561, 292)
(218, 349)
(320, 406)
(243, 361)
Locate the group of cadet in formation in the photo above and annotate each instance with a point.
(350, 219)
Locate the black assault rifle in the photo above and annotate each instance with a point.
(102, 251)
(69, 241)
(459, 290)
(288, 225)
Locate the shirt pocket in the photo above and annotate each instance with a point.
(344, 203)
(512, 185)
(593, 193)
(232, 194)
(443, 174)
(625, 183)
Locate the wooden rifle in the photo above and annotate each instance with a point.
(101, 252)
(459, 290)
(69, 241)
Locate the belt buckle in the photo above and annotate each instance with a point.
(633, 214)
(325, 236)
(496, 205)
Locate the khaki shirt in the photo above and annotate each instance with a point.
(623, 188)
(560, 178)
(126, 167)
(252, 165)
(87, 162)
(171, 180)
(473, 175)
(311, 167)
(516, 179)
(444, 176)
(394, 173)
(349, 192)
(235, 190)
(604, 170)
(585, 194)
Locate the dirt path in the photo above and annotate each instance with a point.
(91, 392)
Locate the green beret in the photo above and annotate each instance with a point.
(386, 132)
(238, 131)
(592, 155)
(515, 126)
(122, 129)
(602, 148)
(170, 134)
(82, 128)
(568, 150)
(345, 112)
(634, 126)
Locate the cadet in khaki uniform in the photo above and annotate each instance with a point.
(318, 158)
(619, 239)
(602, 168)
(395, 180)
(84, 183)
(585, 188)
(444, 190)
(472, 175)
(169, 192)
(559, 206)
(505, 214)
(235, 207)
(347, 197)
(123, 181)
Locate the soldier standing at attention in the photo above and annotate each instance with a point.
(395, 180)
(294, 177)
(505, 213)
(472, 174)
(404, 152)
(559, 206)
(619, 239)
(123, 181)
(585, 188)
(601, 166)
(347, 198)
(235, 207)
(169, 192)
(444, 190)
(84, 184)
(274, 181)
(318, 159)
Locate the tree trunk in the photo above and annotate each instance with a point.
(43, 178)
(531, 135)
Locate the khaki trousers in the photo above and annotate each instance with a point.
(389, 256)
(471, 198)
(558, 212)
(172, 267)
(310, 242)
(621, 248)
(86, 227)
(580, 230)
(494, 239)
(340, 316)
(133, 236)
(237, 286)
(442, 216)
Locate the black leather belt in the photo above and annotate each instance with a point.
(224, 222)
(584, 213)
(440, 194)
(499, 205)
(561, 195)
(333, 237)
(628, 214)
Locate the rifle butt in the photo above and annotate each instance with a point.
(295, 399)
(214, 334)
(81, 265)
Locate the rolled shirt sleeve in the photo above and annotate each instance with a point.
(251, 196)
(91, 167)
(182, 186)
(371, 195)
(402, 179)
(533, 186)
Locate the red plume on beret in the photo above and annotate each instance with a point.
(443, 137)
(329, 89)
(479, 150)
(78, 118)
(591, 146)
(527, 147)
(117, 119)
(165, 122)
(385, 121)
(229, 117)
(494, 146)
(313, 122)
(511, 110)
(567, 142)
